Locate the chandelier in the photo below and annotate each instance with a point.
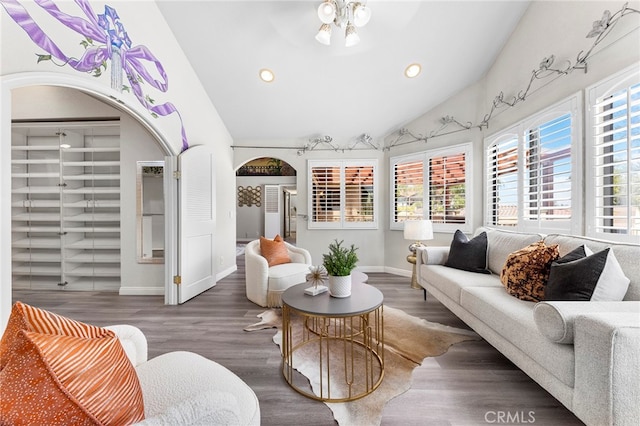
(345, 14)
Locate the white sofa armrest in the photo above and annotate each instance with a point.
(436, 255)
(133, 341)
(555, 320)
(607, 360)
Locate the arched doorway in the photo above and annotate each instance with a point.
(266, 200)
(99, 92)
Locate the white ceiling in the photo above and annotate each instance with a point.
(334, 90)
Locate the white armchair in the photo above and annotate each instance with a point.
(265, 284)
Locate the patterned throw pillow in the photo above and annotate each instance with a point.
(55, 370)
(63, 380)
(526, 271)
(30, 318)
(274, 251)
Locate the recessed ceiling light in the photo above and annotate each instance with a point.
(412, 70)
(267, 75)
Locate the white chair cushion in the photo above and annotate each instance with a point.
(281, 277)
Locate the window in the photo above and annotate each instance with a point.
(432, 185)
(530, 172)
(613, 158)
(342, 194)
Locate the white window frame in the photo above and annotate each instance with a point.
(623, 79)
(424, 156)
(342, 223)
(571, 105)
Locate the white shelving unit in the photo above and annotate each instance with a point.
(66, 205)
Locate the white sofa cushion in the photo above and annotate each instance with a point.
(513, 319)
(555, 320)
(503, 243)
(450, 281)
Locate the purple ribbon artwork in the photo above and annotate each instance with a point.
(105, 39)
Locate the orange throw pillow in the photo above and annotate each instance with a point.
(64, 380)
(29, 318)
(274, 251)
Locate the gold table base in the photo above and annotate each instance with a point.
(359, 358)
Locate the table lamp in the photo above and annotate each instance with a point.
(417, 231)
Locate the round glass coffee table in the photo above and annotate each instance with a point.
(344, 336)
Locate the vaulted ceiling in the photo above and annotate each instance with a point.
(335, 90)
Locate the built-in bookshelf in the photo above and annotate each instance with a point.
(66, 205)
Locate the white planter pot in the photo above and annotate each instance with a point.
(340, 286)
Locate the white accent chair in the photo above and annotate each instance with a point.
(265, 284)
(184, 388)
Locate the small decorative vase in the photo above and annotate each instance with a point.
(340, 286)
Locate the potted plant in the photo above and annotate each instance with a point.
(339, 263)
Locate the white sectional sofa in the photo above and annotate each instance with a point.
(586, 354)
(184, 388)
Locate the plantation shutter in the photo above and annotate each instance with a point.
(447, 188)
(502, 184)
(408, 190)
(325, 194)
(616, 139)
(358, 193)
(547, 185)
(342, 194)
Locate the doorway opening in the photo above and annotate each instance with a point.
(265, 200)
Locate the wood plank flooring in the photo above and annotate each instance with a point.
(466, 386)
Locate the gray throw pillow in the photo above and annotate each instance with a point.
(468, 255)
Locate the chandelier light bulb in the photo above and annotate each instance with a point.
(324, 34)
(327, 11)
(361, 15)
(351, 36)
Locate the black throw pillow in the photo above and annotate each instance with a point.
(575, 278)
(468, 255)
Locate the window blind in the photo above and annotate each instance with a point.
(447, 189)
(547, 185)
(616, 159)
(408, 190)
(502, 185)
(342, 194)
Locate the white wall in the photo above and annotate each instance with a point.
(547, 28)
(146, 26)
(370, 242)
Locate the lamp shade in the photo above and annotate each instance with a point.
(327, 11)
(361, 15)
(351, 36)
(324, 34)
(418, 230)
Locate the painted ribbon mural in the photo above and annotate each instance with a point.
(105, 41)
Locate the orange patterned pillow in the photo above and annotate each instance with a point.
(274, 251)
(526, 271)
(63, 380)
(29, 318)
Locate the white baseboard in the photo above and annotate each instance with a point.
(228, 271)
(366, 269)
(397, 271)
(141, 291)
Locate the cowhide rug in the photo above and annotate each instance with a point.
(408, 341)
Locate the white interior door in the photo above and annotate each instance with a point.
(196, 229)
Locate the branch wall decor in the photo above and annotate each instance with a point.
(600, 30)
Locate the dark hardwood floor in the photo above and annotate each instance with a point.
(469, 385)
